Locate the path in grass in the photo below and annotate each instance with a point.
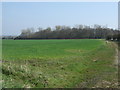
(106, 79)
(55, 63)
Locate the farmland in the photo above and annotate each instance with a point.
(58, 63)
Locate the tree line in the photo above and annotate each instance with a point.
(67, 32)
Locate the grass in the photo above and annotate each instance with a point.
(31, 49)
(57, 63)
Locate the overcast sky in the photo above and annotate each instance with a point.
(21, 15)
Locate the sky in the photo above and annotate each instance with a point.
(0, 18)
(21, 15)
(119, 16)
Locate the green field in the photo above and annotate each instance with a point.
(58, 63)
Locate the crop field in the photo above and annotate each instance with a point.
(56, 63)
